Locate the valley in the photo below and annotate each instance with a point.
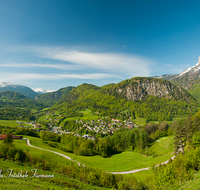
(88, 133)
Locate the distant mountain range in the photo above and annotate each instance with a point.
(26, 91)
(185, 78)
(48, 97)
(42, 91)
(189, 79)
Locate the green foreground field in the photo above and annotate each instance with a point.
(56, 181)
(125, 161)
(12, 123)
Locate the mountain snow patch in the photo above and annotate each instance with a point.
(41, 90)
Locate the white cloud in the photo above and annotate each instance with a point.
(115, 63)
(52, 76)
(53, 66)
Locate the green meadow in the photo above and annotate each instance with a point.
(139, 121)
(13, 123)
(128, 160)
(162, 146)
(88, 115)
(48, 156)
(10, 123)
(57, 182)
(124, 161)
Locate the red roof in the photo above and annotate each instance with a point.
(13, 137)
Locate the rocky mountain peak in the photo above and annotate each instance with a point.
(140, 88)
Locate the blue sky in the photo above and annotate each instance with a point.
(52, 44)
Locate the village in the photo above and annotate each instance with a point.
(89, 129)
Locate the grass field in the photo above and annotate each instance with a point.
(162, 146)
(142, 175)
(57, 182)
(139, 121)
(13, 123)
(125, 161)
(88, 115)
(10, 123)
(49, 156)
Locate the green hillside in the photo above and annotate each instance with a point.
(53, 97)
(57, 182)
(194, 90)
(26, 91)
(14, 105)
(153, 99)
(15, 99)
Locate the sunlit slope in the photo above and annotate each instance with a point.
(150, 98)
(125, 161)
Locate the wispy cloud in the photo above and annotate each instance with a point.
(52, 76)
(60, 63)
(114, 63)
(39, 65)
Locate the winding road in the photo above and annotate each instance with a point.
(138, 170)
(67, 157)
(28, 143)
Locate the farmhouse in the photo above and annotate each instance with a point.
(13, 137)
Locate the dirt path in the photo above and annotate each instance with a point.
(28, 143)
(138, 170)
(67, 157)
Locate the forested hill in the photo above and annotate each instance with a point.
(26, 91)
(151, 98)
(51, 98)
(11, 99)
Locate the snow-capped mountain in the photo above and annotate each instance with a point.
(166, 76)
(5, 84)
(41, 90)
(26, 91)
(188, 78)
(194, 69)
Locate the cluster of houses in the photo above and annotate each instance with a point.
(106, 125)
(91, 128)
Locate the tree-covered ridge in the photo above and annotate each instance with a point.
(11, 96)
(14, 99)
(83, 90)
(16, 113)
(53, 97)
(194, 90)
(153, 99)
(26, 91)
